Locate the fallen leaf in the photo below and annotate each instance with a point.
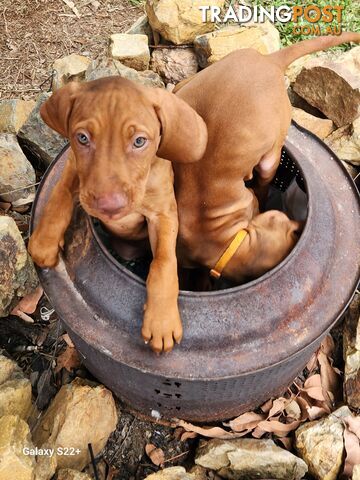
(327, 345)
(293, 410)
(28, 304)
(67, 340)
(211, 432)
(330, 380)
(278, 428)
(68, 359)
(267, 406)
(352, 449)
(246, 421)
(313, 388)
(156, 455)
(278, 406)
(311, 365)
(353, 424)
(315, 412)
(187, 435)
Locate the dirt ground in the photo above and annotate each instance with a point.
(34, 33)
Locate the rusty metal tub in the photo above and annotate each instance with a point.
(241, 345)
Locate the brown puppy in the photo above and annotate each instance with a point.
(244, 103)
(120, 133)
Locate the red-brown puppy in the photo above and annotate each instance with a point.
(244, 103)
(120, 133)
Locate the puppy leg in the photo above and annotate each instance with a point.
(48, 237)
(162, 324)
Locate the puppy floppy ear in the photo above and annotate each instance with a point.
(57, 109)
(183, 131)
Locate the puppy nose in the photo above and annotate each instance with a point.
(111, 203)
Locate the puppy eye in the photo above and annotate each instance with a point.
(140, 142)
(83, 139)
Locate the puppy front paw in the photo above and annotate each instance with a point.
(43, 251)
(161, 328)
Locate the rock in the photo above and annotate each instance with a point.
(321, 80)
(39, 139)
(249, 458)
(211, 47)
(104, 67)
(142, 27)
(15, 390)
(14, 438)
(174, 64)
(345, 142)
(351, 344)
(17, 272)
(78, 415)
(321, 127)
(16, 172)
(356, 472)
(321, 445)
(68, 69)
(45, 466)
(13, 114)
(295, 68)
(132, 50)
(68, 474)
(199, 472)
(179, 21)
(171, 473)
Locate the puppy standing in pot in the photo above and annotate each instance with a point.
(122, 136)
(244, 103)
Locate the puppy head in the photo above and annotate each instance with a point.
(116, 128)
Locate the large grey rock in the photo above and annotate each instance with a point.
(15, 464)
(351, 344)
(132, 50)
(13, 114)
(212, 47)
(78, 415)
(332, 84)
(16, 172)
(68, 69)
(17, 272)
(142, 27)
(179, 21)
(321, 444)
(39, 139)
(248, 458)
(174, 64)
(107, 67)
(345, 142)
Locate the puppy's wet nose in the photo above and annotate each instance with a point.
(111, 203)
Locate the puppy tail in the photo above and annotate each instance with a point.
(288, 55)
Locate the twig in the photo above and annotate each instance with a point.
(19, 189)
(93, 461)
(176, 457)
(71, 5)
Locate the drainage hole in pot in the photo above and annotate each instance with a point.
(287, 193)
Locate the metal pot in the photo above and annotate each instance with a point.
(241, 345)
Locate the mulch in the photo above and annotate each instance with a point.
(34, 33)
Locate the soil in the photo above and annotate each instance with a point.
(34, 33)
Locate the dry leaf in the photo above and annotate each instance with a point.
(330, 380)
(278, 428)
(211, 432)
(156, 455)
(327, 345)
(266, 406)
(27, 305)
(353, 424)
(246, 421)
(187, 435)
(67, 340)
(315, 412)
(352, 449)
(68, 359)
(313, 388)
(278, 406)
(293, 410)
(311, 365)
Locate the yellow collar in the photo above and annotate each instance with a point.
(228, 254)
